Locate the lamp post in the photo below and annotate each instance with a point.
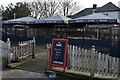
(14, 15)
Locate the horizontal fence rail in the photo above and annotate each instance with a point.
(23, 50)
(4, 49)
(91, 61)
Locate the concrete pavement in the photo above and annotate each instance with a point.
(34, 68)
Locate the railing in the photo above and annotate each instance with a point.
(23, 50)
(4, 51)
(91, 61)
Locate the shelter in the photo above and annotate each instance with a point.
(94, 18)
(42, 29)
(58, 19)
(16, 27)
(23, 20)
(54, 26)
(96, 29)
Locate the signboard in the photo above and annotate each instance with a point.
(58, 53)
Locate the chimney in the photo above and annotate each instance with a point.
(119, 11)
(94, 7)
(119, 4)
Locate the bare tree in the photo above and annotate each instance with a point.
(40, 9)
(2, 8)
(52, 7)
(68, 7)
(36, 9)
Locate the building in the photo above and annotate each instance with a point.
(108, 9)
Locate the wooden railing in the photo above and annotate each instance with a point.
(91, 61)
(4, 49)
(22, 50)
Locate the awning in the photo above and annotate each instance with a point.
(53, 19)
(23, 20)
(94, 18)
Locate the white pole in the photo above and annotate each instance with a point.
(14, 15)
(9, 45)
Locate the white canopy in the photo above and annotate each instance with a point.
(53, 19)
(95, 17)
(19, 20)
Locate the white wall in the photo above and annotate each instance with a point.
(119, 4)
(115, 14)
(119, 7)
(3, 49)
(119, 14)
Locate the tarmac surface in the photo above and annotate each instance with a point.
(34, 68)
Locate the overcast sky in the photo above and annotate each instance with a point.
(83, 3)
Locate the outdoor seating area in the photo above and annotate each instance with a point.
(89, 62)
(94, 29)
(88, 41)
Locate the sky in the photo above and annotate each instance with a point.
(83, 3)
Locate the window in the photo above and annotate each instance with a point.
(104, 34)
(115, 36)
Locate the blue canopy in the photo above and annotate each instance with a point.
(52, 19)
(23, 20)
(94, 18)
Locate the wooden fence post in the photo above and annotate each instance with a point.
(73, 54)
(68, 57)
(79, 58)
(103, 63)
(70, 53)
(92, 60)
(9, 46)
(75, 58)
(106, 64)
(33, 56)
(48, 52)
(99, 63)
(110, 65)
(118, 67)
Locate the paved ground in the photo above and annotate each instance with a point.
(32, 69)
(39, 64)
(18, 73)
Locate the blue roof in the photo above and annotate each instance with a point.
(52, 19)
(95, 17)
(22, 20)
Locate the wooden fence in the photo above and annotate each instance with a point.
(4, 51)
(22, 50)
(91, 61)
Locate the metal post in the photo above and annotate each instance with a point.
(66, 33)
(14, 15)
(34, 43)
(119, 67)
(9, 45)
(15, 32)
(111, 53)
(98, 33)
(48, 53)
(119, 54)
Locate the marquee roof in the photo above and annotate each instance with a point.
(94, 18)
